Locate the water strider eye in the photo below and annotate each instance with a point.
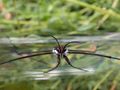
(65, 51)
(55, 51)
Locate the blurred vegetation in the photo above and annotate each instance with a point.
(81, 17)
(21, 18)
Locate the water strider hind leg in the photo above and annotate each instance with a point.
(67, 60)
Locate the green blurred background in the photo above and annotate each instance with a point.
(26, 18)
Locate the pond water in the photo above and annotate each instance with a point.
(32, 69)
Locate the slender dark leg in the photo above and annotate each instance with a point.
(27, 56)
(91, 50)
(92, 54)
(67, 60)
(58, 63)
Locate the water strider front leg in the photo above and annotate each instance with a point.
(58, 63)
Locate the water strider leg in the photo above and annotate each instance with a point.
(58, 63)
(67, 60)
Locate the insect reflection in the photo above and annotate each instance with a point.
(61, 51)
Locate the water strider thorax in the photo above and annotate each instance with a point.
(60, 51)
